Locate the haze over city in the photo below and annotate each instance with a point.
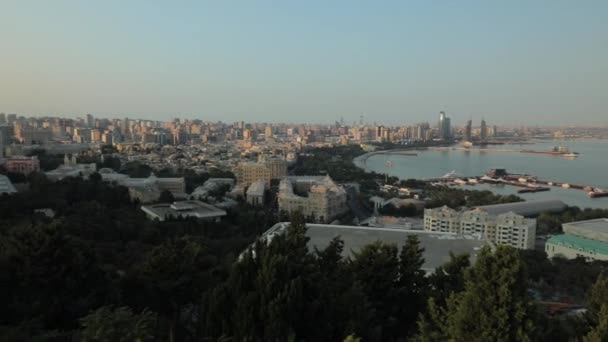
(311, 61)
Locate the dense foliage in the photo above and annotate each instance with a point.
(98, 270)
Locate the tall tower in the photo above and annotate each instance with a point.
(468, 131)
(483, 134)
(444, 127)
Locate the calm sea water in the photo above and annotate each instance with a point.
(590, 168)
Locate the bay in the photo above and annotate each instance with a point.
(590, 168)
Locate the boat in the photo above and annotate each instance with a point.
(566, 186)
(570, 155)
(598, 193)
(460, 181)
(449, 174)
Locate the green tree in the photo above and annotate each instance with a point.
(108, 324)
(494, 305)
(166, 197)
(174, 274)
(598, 310)
(412, 284)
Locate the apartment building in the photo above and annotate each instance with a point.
(506, 228)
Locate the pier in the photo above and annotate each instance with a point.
(564, 153)
(527, 183)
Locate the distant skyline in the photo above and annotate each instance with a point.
(513, 62)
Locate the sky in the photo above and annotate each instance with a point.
(394, 62)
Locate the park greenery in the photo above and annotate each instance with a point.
(98, 270)
(94, 268)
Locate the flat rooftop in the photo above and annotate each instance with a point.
(526, 208)
(580, 243)
(437, 245)
(196, 209)
(596, 229)
(6, 186)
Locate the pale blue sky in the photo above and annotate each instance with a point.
(393, 61)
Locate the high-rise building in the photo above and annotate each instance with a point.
(444, 127)
(468, 131)
(2, 118)
(483, 133)
(90, 121)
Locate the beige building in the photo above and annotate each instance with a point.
(318, 198)
(444, 220)
(248, 173)
(506, 229)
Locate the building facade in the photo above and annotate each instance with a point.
(582, 239)
(505, 229)
(318, 198)
(23, 165)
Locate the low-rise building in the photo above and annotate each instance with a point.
(183, 209)
(22, 164)
(586, 239)
(6, 186)
(318, 198)
(255, 192)
(71, 168)
(437, 246)
(506, 228)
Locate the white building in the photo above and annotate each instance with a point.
(316, 197)
(506, 229)
(71, 168)
(255, 192)
(182, 209)
(148, 189)
(586, 239)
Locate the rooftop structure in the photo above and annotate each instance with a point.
(6, 187)
(527, 208)
(586, 239)
(195, 209)
(437, 245)
(596, 229)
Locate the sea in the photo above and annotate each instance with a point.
(589, 169)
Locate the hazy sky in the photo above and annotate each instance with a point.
(392, 61)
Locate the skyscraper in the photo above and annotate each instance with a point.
(483, 134)
(444, 127)
(468, 131)
(90, 121)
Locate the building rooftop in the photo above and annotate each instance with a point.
(6, 186)
(596, 229)
(437, 245)
(580, 243)
(196, 209)
(527, 208)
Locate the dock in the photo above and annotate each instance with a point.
(527, 183)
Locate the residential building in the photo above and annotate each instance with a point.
(444, 220)
(586, 239)
(318, 198)
(265, 169)
(506, 228)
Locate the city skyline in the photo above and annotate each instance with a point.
(541, 63)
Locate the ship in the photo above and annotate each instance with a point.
(557, 150)
(570, 155)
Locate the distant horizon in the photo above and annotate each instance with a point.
(476, 123)
(530, 63)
